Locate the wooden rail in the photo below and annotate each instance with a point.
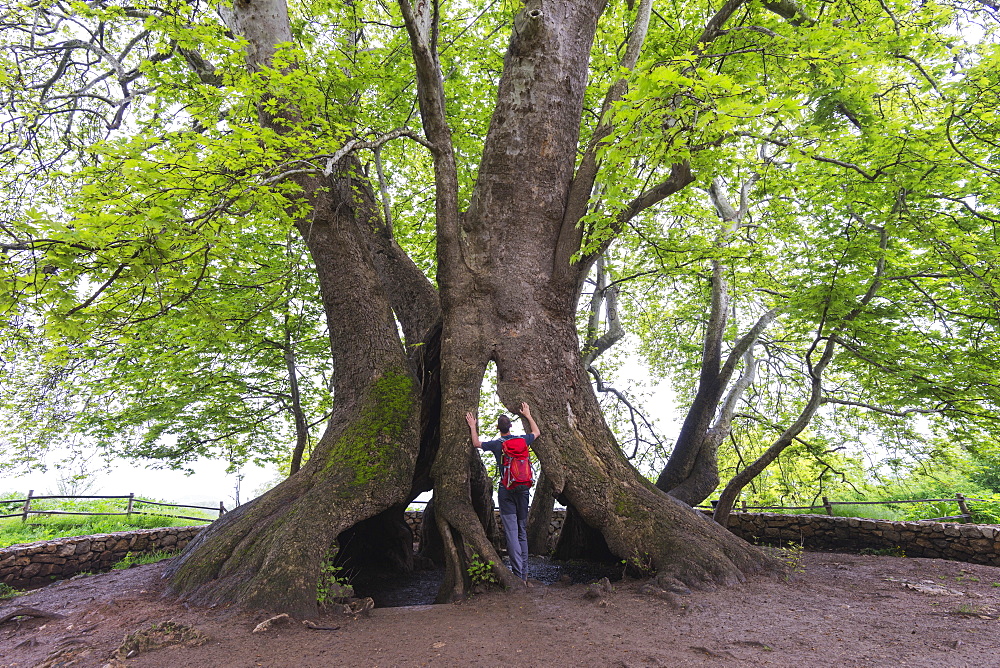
(129, 508)
(964, 514)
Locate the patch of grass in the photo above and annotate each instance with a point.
(333, 584)
(864, 511)
(481, 572)
(969, 610)
(132, 559)
(156, 636)
(14, 531)
(895, 551)
(8, 592)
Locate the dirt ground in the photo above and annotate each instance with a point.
(841, 610)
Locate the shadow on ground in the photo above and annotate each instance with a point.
(390, 589)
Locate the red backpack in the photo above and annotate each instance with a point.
(515, 465)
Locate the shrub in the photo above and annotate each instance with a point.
(132, 559)
(6, 591)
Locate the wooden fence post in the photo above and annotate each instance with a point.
(828, 506)
(27, 506)
(743, 505)
(131, 497)
(222, 509)
(963, 507)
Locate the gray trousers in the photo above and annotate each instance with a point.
(514, 517)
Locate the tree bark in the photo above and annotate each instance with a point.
(540, 517)
(267, 553)
(829, 345)
(509, 289)
(692, 472)
(509, 292)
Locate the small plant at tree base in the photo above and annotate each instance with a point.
(969, 610)
(895, 551)
(6, 591)
(332, 585)
(481, 572)
(131, 559)
(639, 565)
(791, 556)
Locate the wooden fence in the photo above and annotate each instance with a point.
(964, 514)
(129, 507)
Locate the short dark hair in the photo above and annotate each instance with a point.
(503, 424)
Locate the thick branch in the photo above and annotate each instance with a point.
(596, 345)
(582, 186)
(421, 25)
(816, 399)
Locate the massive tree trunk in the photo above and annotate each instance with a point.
(509, 291)
(268, 552)
(509, 285)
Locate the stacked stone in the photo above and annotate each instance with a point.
(973, 543)
(40, 563)
(414, 518)
(555, 527)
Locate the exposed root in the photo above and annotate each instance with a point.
(268, 624)
(157, 636)
(17, 613)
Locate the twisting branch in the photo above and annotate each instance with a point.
(582, 186)
(818, 158)
(816, 394)
(691, 473)
(332, 160)
(888, 411)
(634, 412)
(422, 26)
(596, 344)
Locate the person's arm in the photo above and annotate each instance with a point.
(473, 430)
(526, 414)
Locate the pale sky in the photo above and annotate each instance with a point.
(209, 485)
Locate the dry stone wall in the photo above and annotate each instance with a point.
(414, 518)
(973, 543)
(40, 563)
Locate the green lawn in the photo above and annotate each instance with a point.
(14, 531)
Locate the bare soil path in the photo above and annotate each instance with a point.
(843, 610)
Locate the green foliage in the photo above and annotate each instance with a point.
(986, 511)
(7, 592)
(481, 572)
(791, 556)
(332, 584)
(895, 551)
(159, 305)
(640, 565)
(143, 558)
